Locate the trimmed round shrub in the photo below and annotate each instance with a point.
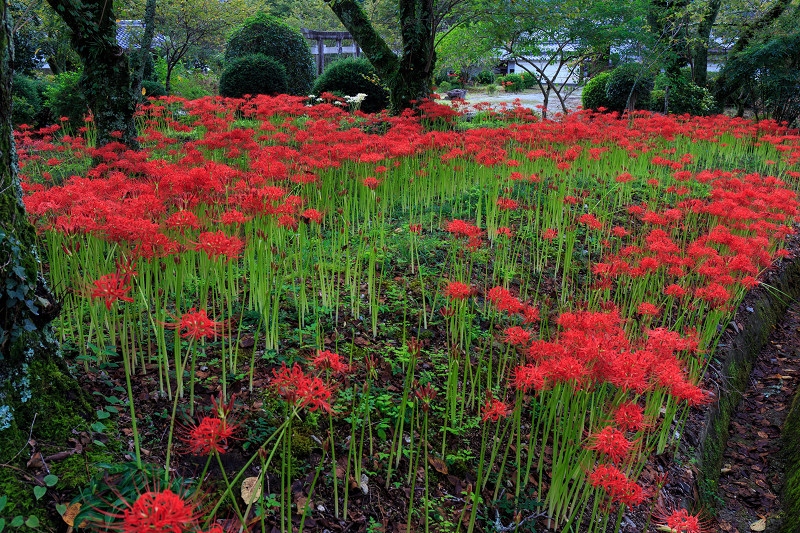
(253, 74)
(628, 81)
(263, 34)
(528, 81)
(351, 76)
(684, 96)
(594, 92)
(444, 87)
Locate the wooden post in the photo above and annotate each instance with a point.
(320, 56)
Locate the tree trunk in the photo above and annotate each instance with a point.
(143, 57)
(106, 79)
(39, 400)
(700, 52)
(408, 76)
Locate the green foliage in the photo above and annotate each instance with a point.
(352, 76)
(594, 93)
(27, 101)
(153, 89)
(263, 34)
(627, 85)
(657, 100)
(683, 96)
(513, 83)
(486, 77)
(444, 87)
(65, 98)
(253, 74)
(528, 81)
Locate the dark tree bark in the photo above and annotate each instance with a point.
(34, 379)
(700, 52)
(665, 20)
(106, 79)
(409, 75)
(145, 46)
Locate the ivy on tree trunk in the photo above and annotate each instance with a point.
(106, 80)
(408, 76)
(38, 397)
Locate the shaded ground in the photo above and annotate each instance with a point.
(751, 472)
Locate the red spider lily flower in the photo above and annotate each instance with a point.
(674, 290)
(426, 394)
(529, 376)
(181, 220)
(312, 215)
(197, 325)
(298, 388)
(630, 417)
(516, 335)
(530, 314)
(503, 230)
(494, 410)
(507, 204)
(447, 312)
(210, 435)
(504, 300)
(461, 228)
(679, 520)
(591, 221)
(456, 290)
(217, 244)
(109, 289)
(611, 442)
(414, 346)
(371, 182)
(415, 228)
(549, 234)
(329, 361)
(233, 218)
(647, 309)
(154, 511)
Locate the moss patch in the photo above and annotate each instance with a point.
(791, 455)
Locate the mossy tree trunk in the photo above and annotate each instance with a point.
(408, 75)
(34, 380)
(106, 80)
(700, 52)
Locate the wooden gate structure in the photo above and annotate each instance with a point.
(321, 49)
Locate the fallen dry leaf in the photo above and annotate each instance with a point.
(759, 525)
(251, 490)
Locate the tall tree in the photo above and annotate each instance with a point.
(37, 394)
(407, 75)
(106, 80)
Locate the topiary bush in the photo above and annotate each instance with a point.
(253, 74)
(528, 81)
(444, 87)
(683, 96)
(351, 76)
(263, 34)
(594, 92)
(629, 84)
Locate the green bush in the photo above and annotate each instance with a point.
(594, 92)
(528, 81)
(263, 34)
(444, 87)
(485, 77)
(153, 89)
(629, 83)
(253, 74)
(513, 83)
(499, 80)
(657, 100)
(352, 76)
(65, 98)
(26, 101)
(683, 96)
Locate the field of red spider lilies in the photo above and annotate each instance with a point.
(317, 319)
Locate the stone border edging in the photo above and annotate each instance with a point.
(736, 360)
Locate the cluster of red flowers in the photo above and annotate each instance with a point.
(302, 390)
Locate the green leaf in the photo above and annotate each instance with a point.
(39, 492)
(113, 399)
(98, 427)
(2, 524)
(50, 480)
(17, 521)
(61, 509)
(3, 502)
(102, 415)
(112, 409)
(32, 522)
